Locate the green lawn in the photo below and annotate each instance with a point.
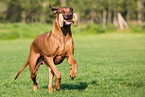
(108, 65)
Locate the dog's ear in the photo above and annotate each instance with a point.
(71, 8)
(61, 20)
(54, 9)
(75, 19)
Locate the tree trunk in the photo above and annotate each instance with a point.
(92, 15)
(104, 19)
(33, 19)
(43, 19)
(63, 3)
(122, 22)
(109, 17)
(128, 10)
(139, 7)
(115, 19)
(23, 16)
(143, 11)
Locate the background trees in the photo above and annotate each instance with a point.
(94, 11)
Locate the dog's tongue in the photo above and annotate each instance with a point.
(67, 23)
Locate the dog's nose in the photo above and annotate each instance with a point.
(69, 15)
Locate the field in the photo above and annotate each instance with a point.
(108, 65)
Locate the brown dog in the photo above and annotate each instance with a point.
(53, 47)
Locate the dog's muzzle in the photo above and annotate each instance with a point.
(68, 22)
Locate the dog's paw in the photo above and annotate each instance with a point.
(57, 84)
(73, 72)
(51, 90)
(57, 87)
(72, 75)
(34, 88)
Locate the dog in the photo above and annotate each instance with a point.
(53, 47)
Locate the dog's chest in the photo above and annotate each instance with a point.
(60, 50)
(63, 46)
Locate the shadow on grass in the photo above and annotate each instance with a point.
(80, 86)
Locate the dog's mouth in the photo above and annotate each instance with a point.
(67, 22)
(63, 21)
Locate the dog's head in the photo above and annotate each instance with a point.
(66, 15)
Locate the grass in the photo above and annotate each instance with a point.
(25, 31)
(108, 65)
(22, 31)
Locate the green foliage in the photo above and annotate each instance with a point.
(110, 65)
(88, 10)
(3, 7)
(92, 29)
(11, 35)
(19, 30)
(138, 28)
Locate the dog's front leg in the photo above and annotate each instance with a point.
(55, 70)
(72, 62)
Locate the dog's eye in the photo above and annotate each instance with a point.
(62, 12)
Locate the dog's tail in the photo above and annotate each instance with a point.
(21, 69)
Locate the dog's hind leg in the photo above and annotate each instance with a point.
(50, 61)
(40, 61)
(32, 62)
(51, 74)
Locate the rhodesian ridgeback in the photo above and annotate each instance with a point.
(53, 47)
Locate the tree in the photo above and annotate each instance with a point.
(63, 3)
(104, 19)
(43, 17)
(14, 11)
(122, 22)
(88, 10)
(140, 7)
(128, 10)
(109, 11)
